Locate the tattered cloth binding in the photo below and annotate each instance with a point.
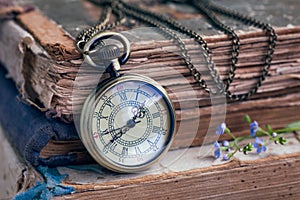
(46, 62)
(29, 130)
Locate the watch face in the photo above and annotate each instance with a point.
(128, 124)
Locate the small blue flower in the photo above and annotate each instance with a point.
(274, 134)
(225, 157)
(259, 144)
(225, 143)
(221, 129)
(217, 152)
(253, 128)
(217, 145)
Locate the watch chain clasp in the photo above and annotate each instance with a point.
(109, 54)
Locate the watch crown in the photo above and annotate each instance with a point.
(109, 52)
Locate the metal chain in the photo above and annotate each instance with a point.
(166, 24)
(235, 40)
(85, 35)
(173, 24)
(138, 14)
(158, 21)
(135, 12)
(247, 20)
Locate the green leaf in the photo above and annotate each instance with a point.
(248, 119)
(227, 130)
(249, 147)
(269, 128)
(294, 125)
(282, 140)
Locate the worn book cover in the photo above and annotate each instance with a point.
(30, 131)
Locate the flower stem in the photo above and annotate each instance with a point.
(229, 133)
(270, 135)
(286, 130)
(262, 132)
(232, 154)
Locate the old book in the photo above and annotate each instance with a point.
(184, 173)
(19, 180)
(15, 175)
(46, 75)
(44, 141)
(30, 131)
(275, 175)
(272, 175)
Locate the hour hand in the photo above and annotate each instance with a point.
(106, 132)
(130, 124)
(122, 131)
(138, 112)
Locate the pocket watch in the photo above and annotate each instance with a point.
(128, 122)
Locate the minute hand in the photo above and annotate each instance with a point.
(130, 124)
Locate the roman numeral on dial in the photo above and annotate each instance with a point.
(156, 115)
(138, 154)
(110, 104)
(156, 129)
(153, 145)
(123, 96)
(137, 93)
(100, 116)
(109, 147)
(125, 151)
(138, 150)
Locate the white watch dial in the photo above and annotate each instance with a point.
(132, 123)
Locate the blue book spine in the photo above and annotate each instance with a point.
(29, 130)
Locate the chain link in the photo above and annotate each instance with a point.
(203, 8)
(247, 20)
(167, 26)
(108, 10)
(135, 12)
